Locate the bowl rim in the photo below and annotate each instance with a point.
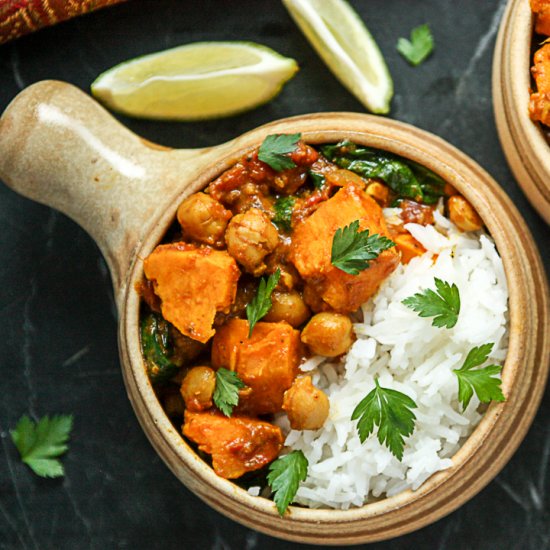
(431, 152)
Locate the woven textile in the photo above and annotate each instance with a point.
(18, 17)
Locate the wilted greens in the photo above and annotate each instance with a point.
(405, 177)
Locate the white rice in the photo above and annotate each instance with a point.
(410, 355)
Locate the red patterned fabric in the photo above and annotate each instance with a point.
(18, 17)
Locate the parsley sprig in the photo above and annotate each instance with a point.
(484, 382)
(443, 305)
(284, 478)
(418, 47)
(261, 303)
(390, 410)
(283, 212)
(226, 392)
(353, 249)
(41, 444)
(275, 150)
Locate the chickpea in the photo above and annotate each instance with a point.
(289, 307)
(289, 276)
(379, 192)
(173, 404)
(250, 237)
(198, 387)
(463, 215)
(203, 218)
(279, 260)
(185, 348)
(328, 334)
(312, 297)
(306, 406)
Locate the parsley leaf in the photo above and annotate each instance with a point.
(482, 381)
(284, 477)
(443, 305)
(40, 444)
(419, 47)
(353, 249)
(275, 150)
(261, 303)
(226, 393)
(390, 410)
(318, 179)
(283, 212)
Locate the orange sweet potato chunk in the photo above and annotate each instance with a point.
(312, 243)
(408, 246)
(539, 104)
(237, 444)
(542, 10)
(267, 362)
(193, 284)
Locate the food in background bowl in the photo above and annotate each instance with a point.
(319, 316)
(524, 139)
(539, 104)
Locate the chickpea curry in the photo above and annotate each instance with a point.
(266, 267)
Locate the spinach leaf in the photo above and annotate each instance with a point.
(156, 346)
(318, 179)
(406, 178)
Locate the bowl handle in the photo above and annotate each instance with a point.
(61, 148)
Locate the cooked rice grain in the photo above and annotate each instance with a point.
(410, 355)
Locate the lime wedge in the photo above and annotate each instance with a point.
(195, 81)
(341, 39)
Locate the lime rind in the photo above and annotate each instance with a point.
(347, 47)
(244, 75)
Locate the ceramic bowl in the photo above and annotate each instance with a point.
(525, 144)
(59, 147)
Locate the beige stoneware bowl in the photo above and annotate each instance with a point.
(525, 145)
(59, 147)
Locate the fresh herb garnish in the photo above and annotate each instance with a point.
(418, 47)
(275, 150)
(390, 410)
(353, 249)
(405, 177)
(284, 478)
(41, 444)
(283, 212)
(318, 179)
(443, 305)
(261, 303)
(226, 393)
(481, 381)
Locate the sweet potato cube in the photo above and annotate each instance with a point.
(193, 284)
(408, 246)
(267, 362)
(237, 444)
(541, 8)
(539, 108)
(311, 247)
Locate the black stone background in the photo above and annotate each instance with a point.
(57, 316)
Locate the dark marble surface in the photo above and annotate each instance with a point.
(59, 351)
